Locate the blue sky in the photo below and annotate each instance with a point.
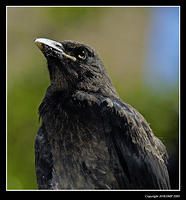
(162, 56)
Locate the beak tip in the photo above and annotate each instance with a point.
(38, 43)
(36, 40)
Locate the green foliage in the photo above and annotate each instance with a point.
(22, 124)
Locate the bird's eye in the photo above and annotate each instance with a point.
(82, 55)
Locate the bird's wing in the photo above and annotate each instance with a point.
(137, 156)
(43, 160)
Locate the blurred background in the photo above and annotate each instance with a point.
(140, 49)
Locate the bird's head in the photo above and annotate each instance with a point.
(73, 65)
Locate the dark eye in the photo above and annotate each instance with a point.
(81, 54)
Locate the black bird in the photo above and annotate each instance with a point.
(89, 137)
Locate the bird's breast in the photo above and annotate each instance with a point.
(80, 155)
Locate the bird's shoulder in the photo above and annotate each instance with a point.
(133, 125)
(132, 141)
(117, 114)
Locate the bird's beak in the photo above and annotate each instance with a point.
(42, 43)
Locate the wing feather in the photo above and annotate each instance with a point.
(138, 157)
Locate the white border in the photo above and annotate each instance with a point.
(179, 102)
